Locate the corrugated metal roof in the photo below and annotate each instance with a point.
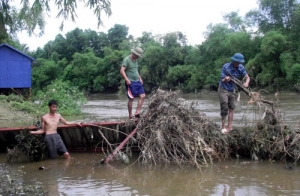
(3, 45)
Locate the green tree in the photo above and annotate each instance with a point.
(178, 77)
(266, 64)
(44, 72)
(146, 37)
(235, 21)
(273, 15)
(102, 43)
(110, 68)
(30, 16)
(156, 67)
(82, 70)
(76, 42)
(69, 98)
(59, 45)
(96, 41)
(173, 48)
(116, 35)
(287, 62)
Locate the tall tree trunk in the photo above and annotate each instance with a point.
(3, 33)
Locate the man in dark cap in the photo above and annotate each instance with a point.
(226, 91)
(133, 81)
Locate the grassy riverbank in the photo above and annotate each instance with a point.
(17, 111)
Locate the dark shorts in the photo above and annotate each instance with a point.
(135, 89)
(55, 145)
(227, 99)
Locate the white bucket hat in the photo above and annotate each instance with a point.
(138, 51)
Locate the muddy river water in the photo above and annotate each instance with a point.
(114, 107)
(80, 176)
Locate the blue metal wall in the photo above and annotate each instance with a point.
(15, 69)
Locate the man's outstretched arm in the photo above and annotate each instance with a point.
(62, 120)
(41, 130)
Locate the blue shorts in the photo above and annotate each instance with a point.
(135, 89)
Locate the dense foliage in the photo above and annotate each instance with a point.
(69, 98)
(268, 38)
(32, 146)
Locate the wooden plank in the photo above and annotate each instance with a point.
(34, 128)
(75, 137)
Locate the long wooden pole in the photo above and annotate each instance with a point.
(109, 158)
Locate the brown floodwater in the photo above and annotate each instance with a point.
(233, 177)
(80, 176)
(114, 107)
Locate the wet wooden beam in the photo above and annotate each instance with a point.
(89, 136)
(34, 128)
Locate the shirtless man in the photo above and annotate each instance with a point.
(53, 140)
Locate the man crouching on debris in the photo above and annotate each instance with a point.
(226, 88)
(53, 140)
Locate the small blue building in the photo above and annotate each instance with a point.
(15, 68)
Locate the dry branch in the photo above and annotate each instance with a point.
(111, 156)
(255, 96)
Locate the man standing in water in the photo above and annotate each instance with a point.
(53, 140)
(226, 88)
(133, 81)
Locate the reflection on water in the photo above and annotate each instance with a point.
(233, 177)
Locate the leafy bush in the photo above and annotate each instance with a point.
(17, 102)
(11, 98)
(69, 98)
(26, 106)
(33, 146)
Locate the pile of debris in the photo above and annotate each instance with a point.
(172, 130)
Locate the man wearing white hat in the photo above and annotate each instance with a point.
(231, 70)
(133, 81)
